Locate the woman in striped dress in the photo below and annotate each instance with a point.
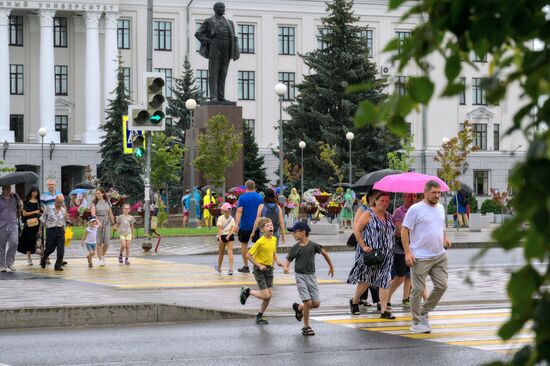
(378, 233)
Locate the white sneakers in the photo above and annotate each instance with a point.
(423, 326)
(29, 262)
(101, 261)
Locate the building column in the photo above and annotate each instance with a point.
(111, 57)
(47, 77)
(92, 88)
(5, 133)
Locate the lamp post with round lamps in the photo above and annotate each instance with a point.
(350, 136)
(190, 105)
(280, 90)
(42, 131)
(302, 145)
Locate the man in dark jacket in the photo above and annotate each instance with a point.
(219, 45)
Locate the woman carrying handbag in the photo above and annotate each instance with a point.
(29, 234)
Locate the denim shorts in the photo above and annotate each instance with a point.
(90, 247)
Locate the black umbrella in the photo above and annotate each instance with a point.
(18, 178)
(85, 185)
(465, 190)
(367, 181)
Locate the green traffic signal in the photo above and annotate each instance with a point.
(138, 153)
(156, 117)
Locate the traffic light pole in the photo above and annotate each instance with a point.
(147, 244)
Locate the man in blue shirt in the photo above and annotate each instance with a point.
(247, 208)
(47, 199)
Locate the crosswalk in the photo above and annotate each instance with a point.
(471, 327)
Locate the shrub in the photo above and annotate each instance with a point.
(490, 205)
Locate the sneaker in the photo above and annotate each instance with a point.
(297, 313)
(90, 265)
(387, 315)
(120, 258)
(261, 320)
(218, 269)
(244, 269)
(425, 322)
(230, 272)
(127, 262)
(354, 308)
(406, 302)
(58, 268)
(4, 269)
(64, 263)
(102, 262)
(43, 262)
(11, 268)
(420, 328)
(245, 292)
(29, 262)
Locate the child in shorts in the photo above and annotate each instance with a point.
(304, 252)
(125, 226)
(226, 225)
(90, 239)
(262, 255)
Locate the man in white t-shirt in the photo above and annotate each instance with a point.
(425, 242)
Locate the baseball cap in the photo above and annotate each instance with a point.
(92, 219)
(226, 206)
(300, 226)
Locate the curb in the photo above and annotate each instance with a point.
(71, 316)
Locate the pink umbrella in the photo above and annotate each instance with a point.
(407, 183)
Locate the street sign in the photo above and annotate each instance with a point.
(127, 136)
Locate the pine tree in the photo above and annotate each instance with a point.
(324, 110)
(117, 169)
(253, 163)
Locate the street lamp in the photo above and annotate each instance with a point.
(280, 90)
(52, 149)
(349, 137)
(42, 131)
(6, 147)
(190, 105)
(302, 145)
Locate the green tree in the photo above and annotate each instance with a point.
(324, 110)
(253, 162)
(5, 169)
(218, 149)
(166, 158)
(507, 31)
(328, 155)
(403, 159)
(117, 169)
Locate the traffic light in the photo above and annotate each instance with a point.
(138, 146)
(151, 115)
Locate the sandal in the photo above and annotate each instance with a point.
(299, 315)
(307, 331)
(354, 308)
(387, 315)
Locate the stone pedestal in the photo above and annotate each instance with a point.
(234, 114)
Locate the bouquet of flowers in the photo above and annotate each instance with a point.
(73, 212)
(137, 207)
(115, 197)
(231, 198)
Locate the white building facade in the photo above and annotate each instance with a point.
(59, 67)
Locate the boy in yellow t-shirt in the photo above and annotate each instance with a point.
(262, 255)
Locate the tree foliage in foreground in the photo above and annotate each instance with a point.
(506, 30)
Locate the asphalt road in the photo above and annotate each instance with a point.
(236, 342)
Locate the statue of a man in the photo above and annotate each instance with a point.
(219, 45)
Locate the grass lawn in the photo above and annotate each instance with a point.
(164, 231)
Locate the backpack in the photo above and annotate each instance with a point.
(271, 211)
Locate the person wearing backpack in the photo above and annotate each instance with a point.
(273, 211)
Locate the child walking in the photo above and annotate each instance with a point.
(306, 282)
(225, 224)
(90, 239)
(125, 226)
(262, 255)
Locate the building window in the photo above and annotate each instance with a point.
(126, 75)
(401, 85)
(16, 79)
(402, 36)
(197, 42)
(479, 132)
(481, 182)
(496, 137)
(123, 34)
(16, 30)
(246, 85)
(167, 81)
(16, 125)
(62, 126)
(288, 78)
(368, 36)
(60, 32)
(287, 40)
(61, 76)
(477, 58)
(321, 41)
(479, 95)
(409, 128)
(246, 38)
(251, 125)
(162, 35)
(462, 95)
(202, 83)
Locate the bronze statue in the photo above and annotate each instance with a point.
(219, 45)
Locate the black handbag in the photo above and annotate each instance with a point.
(352, 241)
(374, 258)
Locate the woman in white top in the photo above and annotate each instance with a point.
(225, 224)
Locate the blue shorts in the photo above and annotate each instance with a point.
(90, 247)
